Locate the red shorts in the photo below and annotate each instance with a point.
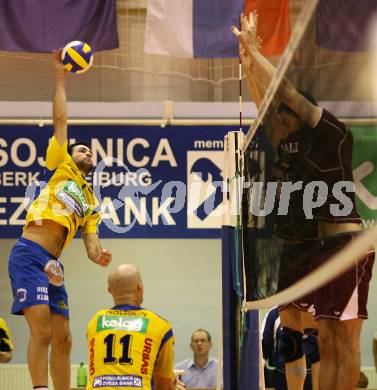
(345, 297)
(296, 263)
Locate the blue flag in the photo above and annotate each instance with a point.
(344, 25)
(44, 25)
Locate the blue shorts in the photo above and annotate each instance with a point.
(30, 285)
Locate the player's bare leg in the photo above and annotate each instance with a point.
(308, 322)
(38, 318)
(61, 342)
(329, 358)
(295, 371)
(315, 375)
(347, 345)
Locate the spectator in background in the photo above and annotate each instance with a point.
(201, 370)
(274, 369)
(6, 346)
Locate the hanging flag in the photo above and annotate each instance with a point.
(274, 26)
(344, 25)
(43, 25)
(201, 28)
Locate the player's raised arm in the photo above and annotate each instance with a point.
(59, 100)
(262, 72)
(256, 90)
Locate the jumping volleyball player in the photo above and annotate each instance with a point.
(65, 204)
(322, 152)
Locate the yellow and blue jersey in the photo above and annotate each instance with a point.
(127, 347)
(5, 341)
(65, 197)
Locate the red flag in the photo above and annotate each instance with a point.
(274, 24)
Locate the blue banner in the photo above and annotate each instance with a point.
(151, 182)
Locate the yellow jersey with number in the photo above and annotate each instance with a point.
(64, 196)
(5, 341)
(127, 346)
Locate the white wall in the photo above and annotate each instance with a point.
(182, 282)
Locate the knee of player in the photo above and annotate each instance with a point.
(42, 335)
(310, 345)
(347, 345)
(326, 346)
(326, 333)
(62, 341)
(289, 345)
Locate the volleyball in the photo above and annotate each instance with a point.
(77, 57)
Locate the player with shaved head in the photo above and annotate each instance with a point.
(128, 345)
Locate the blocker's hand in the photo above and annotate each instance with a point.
(248, 35)
(104, 258)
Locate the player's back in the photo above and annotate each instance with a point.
(123, 346)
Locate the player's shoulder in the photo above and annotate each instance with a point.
(160, 318)
(164, 326)
(328, 119)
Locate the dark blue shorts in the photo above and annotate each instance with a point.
(30, 285)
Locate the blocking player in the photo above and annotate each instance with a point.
(64, 205)
(128, 345)
(322, 152)
(298, 337)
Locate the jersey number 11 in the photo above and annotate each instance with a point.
(110, 341)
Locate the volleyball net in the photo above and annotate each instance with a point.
(334, 65)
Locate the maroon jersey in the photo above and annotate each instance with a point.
(322, 153)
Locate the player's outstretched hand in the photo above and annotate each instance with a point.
(248, 35)
(104, 258)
